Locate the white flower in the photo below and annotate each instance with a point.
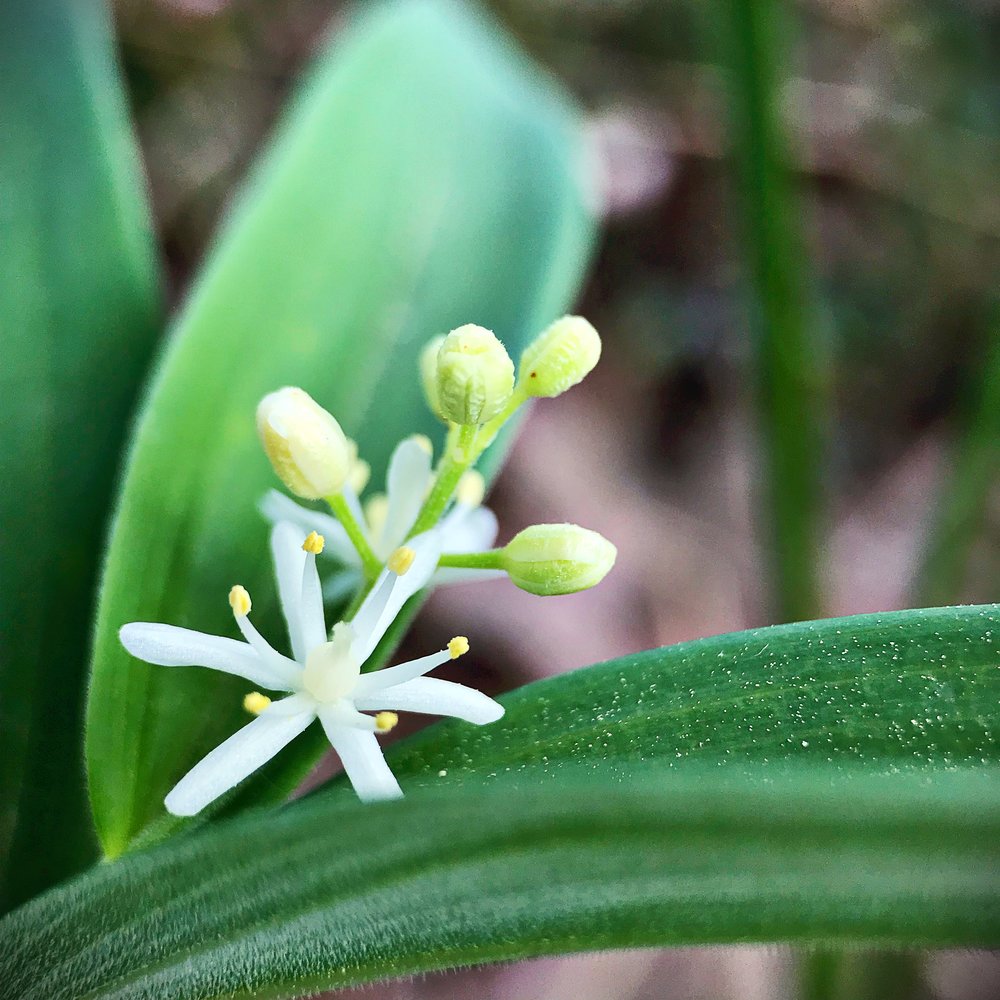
(323, 679)
(387, 519)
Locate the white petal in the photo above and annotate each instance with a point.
(363, 762)
(289, 558)
(378, 680)
(431, 696)
(354, 505)
(311, 608)
(170, 646)
(391, 592)
(246, 750)
(406, 486)
(468, 529)
(339, 586)
(277, 507)
(447, 575)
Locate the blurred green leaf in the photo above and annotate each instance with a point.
(910, 689)
(790, 383)
(972, 477)
(426, 177)
(79, 309)
(321, 894)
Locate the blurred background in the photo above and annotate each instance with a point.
(890, 111)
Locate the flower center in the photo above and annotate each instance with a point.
(331, 672)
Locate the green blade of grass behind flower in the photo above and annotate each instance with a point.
(789, 383)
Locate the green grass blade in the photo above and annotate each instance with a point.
(974, 473)
(425, 177)
(320, 895)
(79, 312)
(789, 390)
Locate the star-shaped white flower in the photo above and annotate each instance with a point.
(323, 678)
(387, 519)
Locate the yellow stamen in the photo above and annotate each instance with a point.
(255, 702)
(424, 441)
(239, 601)
(314, 543)
(385, 721)
(401, 560)
(471, 488)
(458, 646)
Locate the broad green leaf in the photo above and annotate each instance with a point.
(321, 894)
(425, 177)
(79, 307)
(890, 692)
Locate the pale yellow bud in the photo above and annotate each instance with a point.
(429, 374)
(306, 446)
(475, 376)
(549, 559)
(559, 357)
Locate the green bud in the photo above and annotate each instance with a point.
(475, 376)
(549, 559)
(429, 374)
(305, 444)
(559, 358)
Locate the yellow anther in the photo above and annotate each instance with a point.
(424, 442)
(239, 600)
(458, 646)
(314, 543)
(471, 489)
(255, 702)
(401, 560)
(385, 721)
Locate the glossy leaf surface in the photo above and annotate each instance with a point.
(905, 690)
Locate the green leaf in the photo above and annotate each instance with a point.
(790, 380)
(425, 177)
(79, 309)
(904, 690)
(323, 894)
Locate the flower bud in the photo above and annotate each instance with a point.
(305, 444)
(429, 374)
(559, 357)
(550, 559)
(475, 376)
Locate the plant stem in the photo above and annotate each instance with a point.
(788, 384)
(473, 560)
(488, 432)
(449, 471)
(965, 493)
(370, 562)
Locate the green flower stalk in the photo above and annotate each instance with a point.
(546, 559)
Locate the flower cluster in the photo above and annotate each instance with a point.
(428, 527)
